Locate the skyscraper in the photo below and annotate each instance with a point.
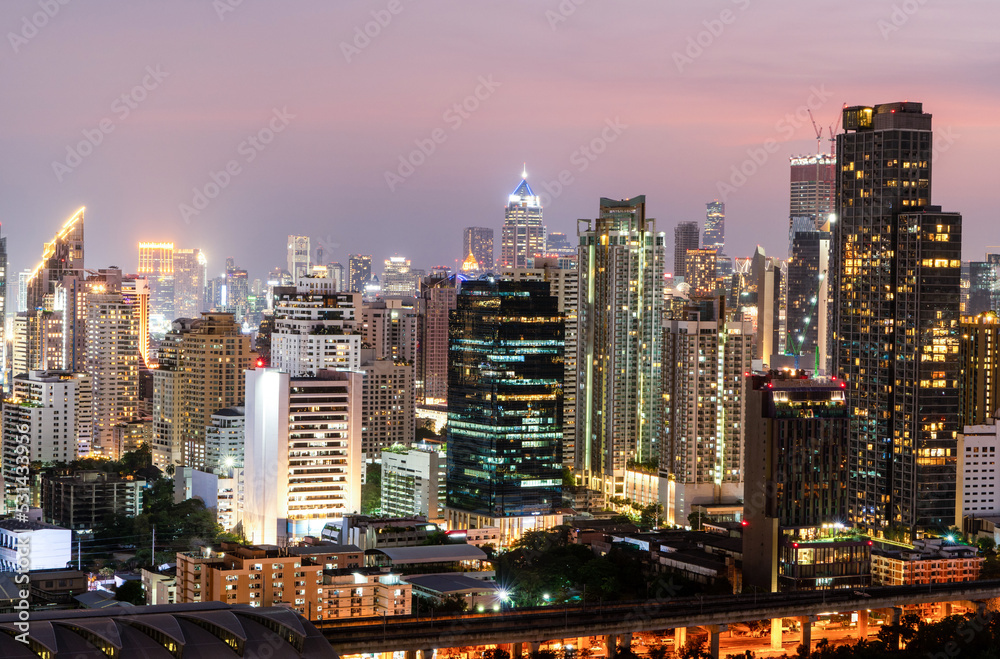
(62, 256)
(504, 407)
(439, 299)
(984, 286)
(620, 341)
(896, 267)
(397, 278)
(189, 283)
(3, 310)
(714, 236)
(980, 355)
(523, 235)
(700, 271)
(315, 329)
(478, 241)
(807, 302)
(156, 263)
(299, 256)
(813, 188)
(685, 238)
(359, 272)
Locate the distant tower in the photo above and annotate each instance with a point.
(478, 241)
(685, 238)
(156, 263)
(715, 226)
(359, 272)
(813, 188)
(299, 256)
(523, 234)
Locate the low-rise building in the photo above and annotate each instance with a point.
(478, 595)
(930, 561)
(432, 559)
(46, 546)
(83, 500)
(160, 587)
(377, 532)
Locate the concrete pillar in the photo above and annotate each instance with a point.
(612, 642)
(680, 638)
(981, 608)
(775, 633)
(806, 622)
(411, 654)
(516, 652)
(427, 654)
(895, 614)
(863, 623)
(713, 638)
(625, 640)
(534, 647)
(946, 609)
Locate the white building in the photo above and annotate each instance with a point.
(50, 412)
(976, 492)
(224, 440)
(160, 588)
(314, 330)
(302, 460)
(413, 482)
(50, 546)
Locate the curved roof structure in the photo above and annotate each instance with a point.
(209, 630)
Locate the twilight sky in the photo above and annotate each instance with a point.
(309, 117)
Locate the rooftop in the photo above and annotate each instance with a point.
(431, 553)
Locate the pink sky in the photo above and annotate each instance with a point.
(557, 84)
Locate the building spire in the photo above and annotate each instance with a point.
(524, 171)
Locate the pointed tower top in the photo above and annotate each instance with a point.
(524, 171)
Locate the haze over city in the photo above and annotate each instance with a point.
(691, 86)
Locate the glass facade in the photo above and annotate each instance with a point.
(505, 399)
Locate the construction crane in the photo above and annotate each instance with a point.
(819, 131)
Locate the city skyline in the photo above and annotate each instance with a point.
(196, 111)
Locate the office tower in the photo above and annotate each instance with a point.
(335, 271)
(314, 329)
(201, 364)
(238, 293)
(372, 289)
(49, 412)
(564, 285)
(390, 327)
(767, 280)
(980, 367)
(414, 482)
(303, 452)
(299, 256)
(62, 256)
(359, 268)
(714, 236)
(984, 286)
(439, 300)
(523, 235)
(397, 279)
(685, 238)
(22, 290)
(620, 341)
(813, 188)
(808, 299)
(224, 440)
(796, 487)
(896, 264)
(190, 268)
(478, 241)
(704, 362)
(700, 272)
(156, 264)
(505, 407)
(559, 245)
(388, 416)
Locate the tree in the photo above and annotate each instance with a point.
(371, 491)
(651, 515)
(496, 653)
(986, 545)
(131, 592)
(694, 519)
(694, 649)
(658, 651)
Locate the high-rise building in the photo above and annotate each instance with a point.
(397, 278)
(390, 327)
(439, 299)
(714, 236)
(896, 263)
(808, 299)
(335, 271)
(813, 188)
(3, 309)
(685, 238)
(984, 286)
(315, 329)
(523, 234)
(299, 256)
(564, 284)
(980, 360)
(156, 264)
(505, 407)
(796, 481)
(478, 241)
(704, 362)
(62, 256)
(700, 271)
(387, 406)
(238, 293)
(620, 339)
(201, 364)
(767, 279)
(414, 482)
(190, 268)
(359, 268)
(303, 453)
(224, 440)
